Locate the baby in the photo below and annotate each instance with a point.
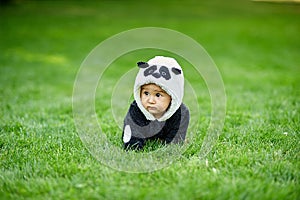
(157, 112)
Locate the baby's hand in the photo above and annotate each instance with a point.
(131, 142)
(127, 134)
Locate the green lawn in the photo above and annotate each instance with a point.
(256, 47)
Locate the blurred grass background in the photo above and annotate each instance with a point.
(256, 47)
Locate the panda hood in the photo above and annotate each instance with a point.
(166, 73)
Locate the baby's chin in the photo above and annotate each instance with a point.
(156, 114)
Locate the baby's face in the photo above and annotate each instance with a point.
(155, 100)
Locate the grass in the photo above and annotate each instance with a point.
(256, 47)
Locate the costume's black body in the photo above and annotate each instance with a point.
(172, 130)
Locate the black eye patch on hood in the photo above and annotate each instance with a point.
(150, 70)
(164, 72)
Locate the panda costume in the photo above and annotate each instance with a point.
(139, 124)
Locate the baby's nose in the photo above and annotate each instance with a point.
(151, 99)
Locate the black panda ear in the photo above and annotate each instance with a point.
(176, 71)
(142, 64)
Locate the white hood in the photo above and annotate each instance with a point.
(166, 73)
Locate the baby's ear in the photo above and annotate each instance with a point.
(176, 71)
(142, 64)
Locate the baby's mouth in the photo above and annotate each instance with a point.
(151, 108)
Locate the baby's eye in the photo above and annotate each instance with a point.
(158, 95)
(146, 93)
